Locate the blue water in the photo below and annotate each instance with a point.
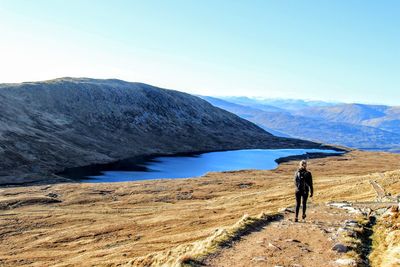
(198, 165)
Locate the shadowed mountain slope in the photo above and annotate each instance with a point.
(48, 126)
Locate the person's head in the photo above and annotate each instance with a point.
(303, 165)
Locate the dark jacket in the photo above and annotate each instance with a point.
(303, 181)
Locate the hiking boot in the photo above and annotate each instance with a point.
(304, 216)
(296, 220)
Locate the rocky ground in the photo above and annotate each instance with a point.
(311, 242)
(333, 234)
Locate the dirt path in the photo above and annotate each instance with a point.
(286, 243)
(381, 195)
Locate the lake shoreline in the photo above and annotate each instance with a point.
(58, 178)
(142, 164)
(307, 156)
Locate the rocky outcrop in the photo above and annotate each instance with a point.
(48, 126)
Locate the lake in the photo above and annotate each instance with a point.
(188, 166)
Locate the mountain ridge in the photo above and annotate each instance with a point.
(351, 127)
(48, 126)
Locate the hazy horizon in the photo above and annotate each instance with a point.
(256, 97)
(223, 97)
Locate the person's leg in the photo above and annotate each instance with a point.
(305, 196)
(298, 201)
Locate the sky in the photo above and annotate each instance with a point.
(343, 50)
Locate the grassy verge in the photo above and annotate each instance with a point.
(194, 253)
(386, 240)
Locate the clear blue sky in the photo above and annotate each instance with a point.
(328, 50)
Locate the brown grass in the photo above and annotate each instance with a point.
(192, 253)
(386, 240)
(115, 223)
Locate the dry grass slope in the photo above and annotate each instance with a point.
(189, 254)
(119, 223)
(386, 237)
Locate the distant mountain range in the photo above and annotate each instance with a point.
(277, 103)
(375, 127)
(383, 117)
(48, 126)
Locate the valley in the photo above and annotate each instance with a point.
(361, 126)
(46, 127)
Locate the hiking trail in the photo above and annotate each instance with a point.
(333, 234)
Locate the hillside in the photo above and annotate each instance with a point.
(380, 116)
(348, 113)
(245, 112)
(277, 104)
(48, 126)
(383, 117)
(315, 126)
(256, 103)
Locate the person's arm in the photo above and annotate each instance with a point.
(311, 186)
(296, 185)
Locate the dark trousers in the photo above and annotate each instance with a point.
(299, 196)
